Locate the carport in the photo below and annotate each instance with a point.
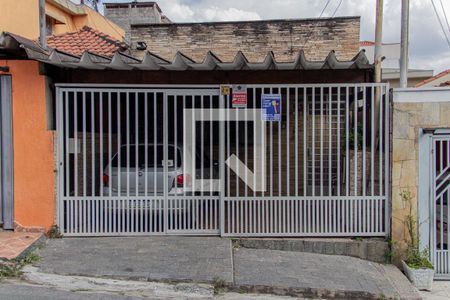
(324, 161)
(155, 147)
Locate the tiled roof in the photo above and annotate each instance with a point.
(443, 73)
(366, 43)
(446, 83)
(87, 39)
(11, 43)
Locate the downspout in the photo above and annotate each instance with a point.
(42, 25)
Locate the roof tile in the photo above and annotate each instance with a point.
(87, 39)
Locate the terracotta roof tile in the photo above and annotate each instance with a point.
(366, 43)
(443, 73)
(87, 39)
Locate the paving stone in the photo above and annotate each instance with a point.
(307, 274)
(147, 258)
(13, 244)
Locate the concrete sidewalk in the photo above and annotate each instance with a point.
(213, 260)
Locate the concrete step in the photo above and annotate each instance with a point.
(372, 249)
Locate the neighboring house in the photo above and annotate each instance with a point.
(22, 18)
(132, 13)
(32, 100)
(391, 64)
(441, 79)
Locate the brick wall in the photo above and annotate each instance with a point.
(129, 14)
(317, 37)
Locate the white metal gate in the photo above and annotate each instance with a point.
(121, 158)
(440, 195)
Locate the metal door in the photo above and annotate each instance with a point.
(440, 196)
(6, 154)
(193, 202)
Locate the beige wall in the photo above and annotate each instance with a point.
(408, 118)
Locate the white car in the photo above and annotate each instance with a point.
(178, 183)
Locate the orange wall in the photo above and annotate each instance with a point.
(22, 17)
(34, 182)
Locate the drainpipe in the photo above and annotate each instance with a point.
(404, 44)
(42, 26)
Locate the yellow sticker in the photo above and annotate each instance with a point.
(224, 90)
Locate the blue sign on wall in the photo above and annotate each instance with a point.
(271, 107)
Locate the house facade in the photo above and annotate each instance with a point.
(97, 109)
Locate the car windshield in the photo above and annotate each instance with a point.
(152, 157)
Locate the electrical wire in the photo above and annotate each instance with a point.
(335, 11)
(445, 15)
(440, 22)
(326, 5)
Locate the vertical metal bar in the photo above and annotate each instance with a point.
(246, 203)
(280, 167)
(102, 225)
(355, 140)
(137, 167)
(380, 147)
(212, 202)
(146, 148)
(186, 203)
(177, 212)
(305, 154)
(321, 143)
(156, 213)
(372, 142)
(166, 160)
(94, 213)
(67, 163)
(386, 160)
(120, 213)
(364, 179)
(127, 201)
(258, 202)
(202, 155)
(109, 163)
(84, 162)
(330, 170)
(59, 159)
(222, 168)
(296, 141)
(288, 143)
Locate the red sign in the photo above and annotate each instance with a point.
(239, 98)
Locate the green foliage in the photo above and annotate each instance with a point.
(381, 297)
(351, 137)
(9, 270)
(54, 233)
(389, 255)
(30, 258)
(219, 285)
(13, 268)
(415, 258)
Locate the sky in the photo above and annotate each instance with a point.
(429, 48)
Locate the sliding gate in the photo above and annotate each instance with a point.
(256, 160)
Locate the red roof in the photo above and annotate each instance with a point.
(87, 39)
(366, 43)
(443, 73)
